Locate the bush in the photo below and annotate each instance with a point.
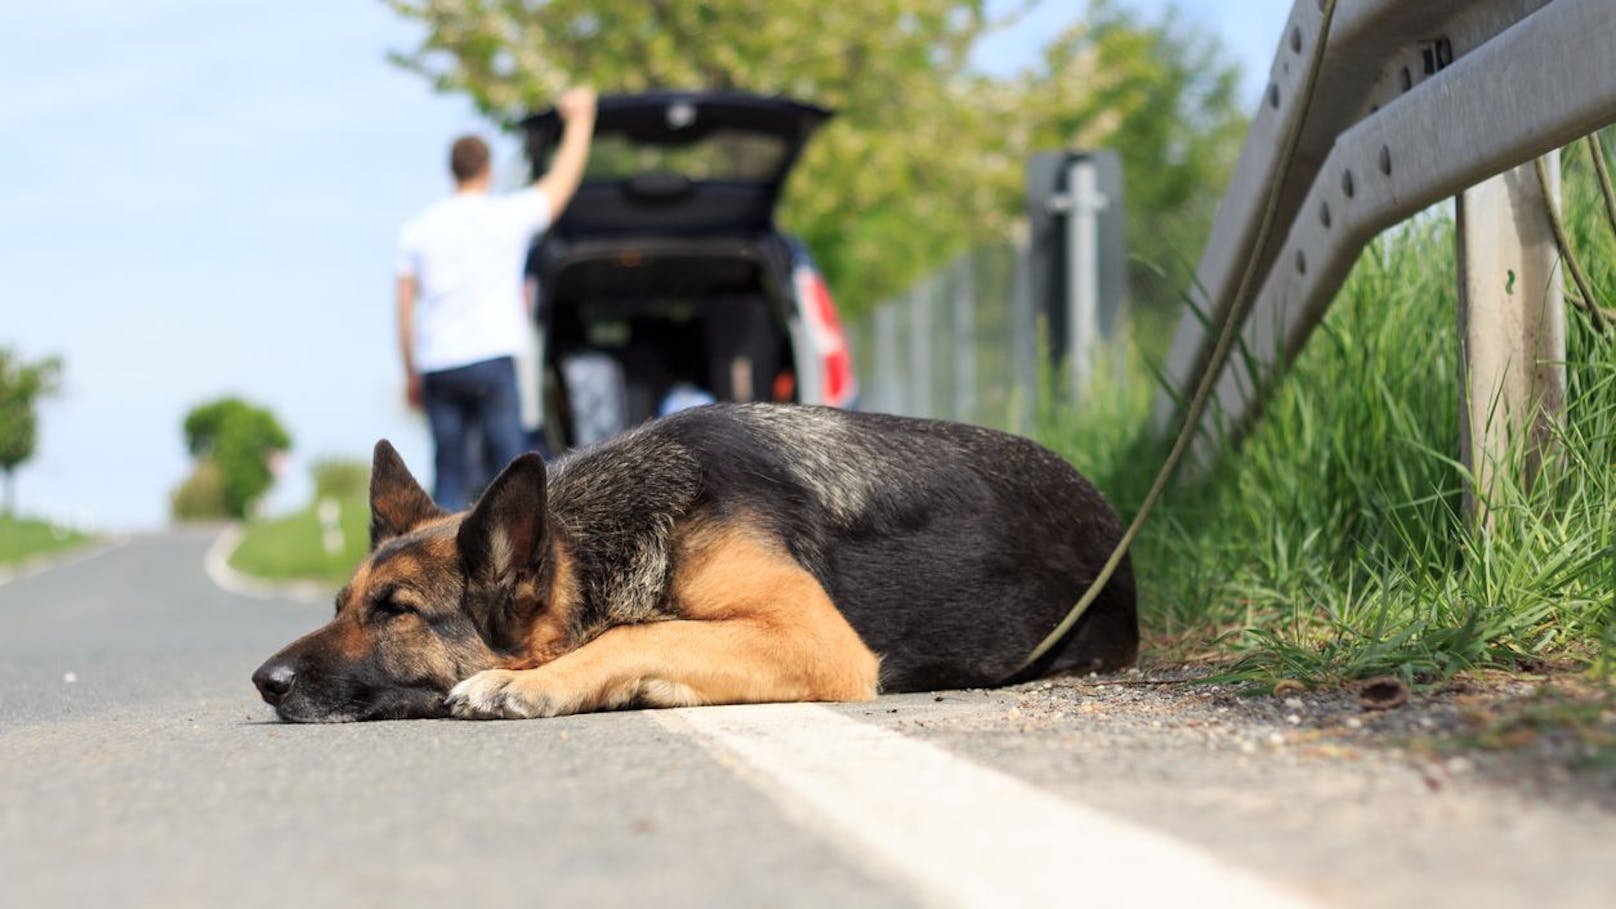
(202, 496)
(340, 479)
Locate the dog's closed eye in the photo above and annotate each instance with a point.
(391, 601)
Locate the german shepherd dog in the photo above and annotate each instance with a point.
(727, 554)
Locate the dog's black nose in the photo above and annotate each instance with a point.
(274, 681)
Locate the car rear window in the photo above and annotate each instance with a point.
(715, 155)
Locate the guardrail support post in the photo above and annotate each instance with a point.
(1511, 328)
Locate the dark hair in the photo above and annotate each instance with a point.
(468, 157)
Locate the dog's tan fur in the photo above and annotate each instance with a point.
(754, 626)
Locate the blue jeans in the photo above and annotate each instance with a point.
(467, 405)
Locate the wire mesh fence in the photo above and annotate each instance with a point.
(960, 345)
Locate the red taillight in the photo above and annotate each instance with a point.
(830, 344)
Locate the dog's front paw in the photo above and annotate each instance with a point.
(504, 694)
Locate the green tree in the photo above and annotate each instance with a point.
(233, 442)
(925, 156)
(22, 384)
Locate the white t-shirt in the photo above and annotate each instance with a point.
(466, 254)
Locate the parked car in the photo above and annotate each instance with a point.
(666, 282)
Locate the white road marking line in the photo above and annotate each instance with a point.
(961, 833)
(216, 563)
(31, 568)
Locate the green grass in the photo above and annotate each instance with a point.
(22, 538)
(291, 547)
(1332, 546)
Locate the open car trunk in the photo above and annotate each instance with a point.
(632, 334)
(680, 163)
(664, 284)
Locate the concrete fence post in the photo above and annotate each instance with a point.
(1511, 327)
(887, 393)
(920, 338)
(965, 339)
(1023, 344)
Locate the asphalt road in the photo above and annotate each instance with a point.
(137, 767)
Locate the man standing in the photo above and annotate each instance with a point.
(462, 310)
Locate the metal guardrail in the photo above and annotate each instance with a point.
(1417, 102)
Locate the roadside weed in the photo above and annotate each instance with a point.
(1333, 544)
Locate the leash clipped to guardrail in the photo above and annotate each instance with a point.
(1220, 353)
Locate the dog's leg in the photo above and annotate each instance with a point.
(757, 628)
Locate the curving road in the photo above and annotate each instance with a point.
(137, 767)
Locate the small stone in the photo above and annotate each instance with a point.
(1293, 719)
(1276, 740)
(1458, 765)
(1354, 723)
(1294, 703)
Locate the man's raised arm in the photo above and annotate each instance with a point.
(577, 110)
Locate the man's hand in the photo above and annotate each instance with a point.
(414, 395)
(576, 103)
(414, 391)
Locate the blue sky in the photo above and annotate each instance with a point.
(200, 197)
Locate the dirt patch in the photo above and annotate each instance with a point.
(1552, 736)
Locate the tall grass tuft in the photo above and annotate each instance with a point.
(1332, 545)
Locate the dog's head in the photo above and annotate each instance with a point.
(439, 598)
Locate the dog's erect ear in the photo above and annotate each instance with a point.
(502, 539)
(398, 504)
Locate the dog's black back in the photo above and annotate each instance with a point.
(951, 549)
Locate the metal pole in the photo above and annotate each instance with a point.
(1082, 273)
